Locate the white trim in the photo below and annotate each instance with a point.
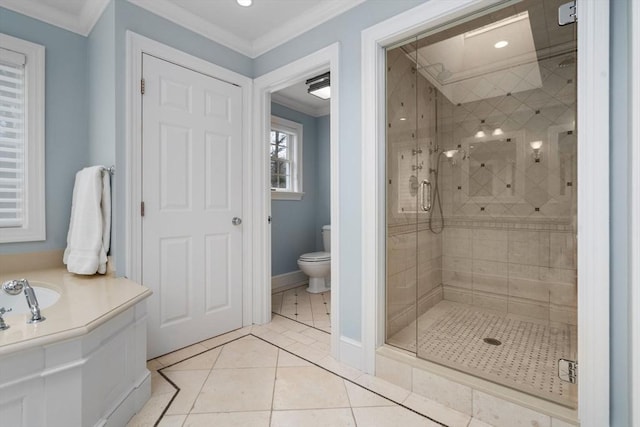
(634, 192)
(251, 48)
(287, 195)
(593, 232)
(278, 98)
(136, 46)
(311, 18)
(593, 217)
(351, 352)
(285, 281)
(81, 23)
(178, 15)
(34, 227)
(263, 87)
(297, 131)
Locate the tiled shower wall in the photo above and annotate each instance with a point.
(530, 272)
(509, 241)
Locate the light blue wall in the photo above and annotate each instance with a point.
(140, 21)
(619, 211)
(66, 120)
(346, 30)
(293, 225)
(323, 210)
(102, 90)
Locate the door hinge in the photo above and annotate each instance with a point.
(568, 370)
(567, 13)
(269, 219)
(142, 86)
(141, 208)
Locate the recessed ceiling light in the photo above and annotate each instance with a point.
(245, 3)
(501, 44)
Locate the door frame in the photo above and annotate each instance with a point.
(264, 85)
(593, 219)
(136, 46)
(634, 288)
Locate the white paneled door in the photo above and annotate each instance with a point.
(192, 192)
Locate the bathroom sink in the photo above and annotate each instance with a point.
(18, 304)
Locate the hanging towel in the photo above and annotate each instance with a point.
(90, 225)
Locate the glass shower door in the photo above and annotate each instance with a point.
(405, 176)
(496, 288)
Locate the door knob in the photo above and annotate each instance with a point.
(236, 221)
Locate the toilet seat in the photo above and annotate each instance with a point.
(316, 257)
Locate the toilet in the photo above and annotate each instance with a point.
(317, 265)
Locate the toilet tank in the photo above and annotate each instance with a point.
(326, 237)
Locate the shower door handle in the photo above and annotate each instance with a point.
(426, 184)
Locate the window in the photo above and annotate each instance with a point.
(286, 159)
(22, 209)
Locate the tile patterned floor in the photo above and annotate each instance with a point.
(298, 304)
(527, 359)
(278, 374)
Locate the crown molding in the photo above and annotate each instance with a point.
(184, 18)
(80, 24)
(299, 106)
(91, 13)
(251, 48)
(303, 23)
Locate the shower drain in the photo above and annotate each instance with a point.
(492, 341)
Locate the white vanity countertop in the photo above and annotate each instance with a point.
(85, 303)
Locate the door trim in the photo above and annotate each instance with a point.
(263, 87)
(634, 289)
(593, 192)
(136, 46)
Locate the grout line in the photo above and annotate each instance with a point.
(353, 382)
(273, 392)
(297, 321)
(166, 408)
(276, 370)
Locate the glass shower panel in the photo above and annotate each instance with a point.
(495, 232)
(403, 189)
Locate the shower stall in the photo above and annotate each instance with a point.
(481, 198)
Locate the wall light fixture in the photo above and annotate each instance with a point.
(536, 146)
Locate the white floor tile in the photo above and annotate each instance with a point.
(313, 418)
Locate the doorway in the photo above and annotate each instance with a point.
(297, 72)
(300, 172)
(593, 235)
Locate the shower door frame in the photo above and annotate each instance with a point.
(593, 221)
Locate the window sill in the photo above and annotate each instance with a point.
(286, 195)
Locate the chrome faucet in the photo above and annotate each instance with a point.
(14, 287)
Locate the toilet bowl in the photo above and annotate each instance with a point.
(317, 265)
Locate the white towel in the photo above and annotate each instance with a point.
(90, 225)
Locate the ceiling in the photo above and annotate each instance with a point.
(297, 98)
(251, 31)
(464, 63)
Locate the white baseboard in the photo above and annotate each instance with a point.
(351, 353)
(285, 281)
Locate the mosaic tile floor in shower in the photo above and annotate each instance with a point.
(299, 305)
(526, 359)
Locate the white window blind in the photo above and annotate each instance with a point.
(12, 138)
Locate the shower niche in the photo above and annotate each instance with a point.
(481, 208)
